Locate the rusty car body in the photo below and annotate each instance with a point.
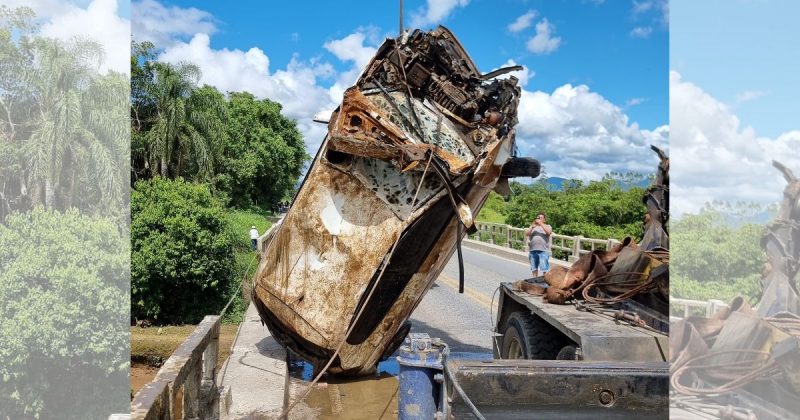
(411, 154)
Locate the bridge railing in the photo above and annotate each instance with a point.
(572, 247)
(684, 308)
(185, 386)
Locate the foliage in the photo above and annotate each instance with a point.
(599, 209)
(63, 131)
(184, 126)
(182, 252)
(63, 297)
(244, 146)
(712, 259)
(264, 153)
(493, 210)
(246, 260)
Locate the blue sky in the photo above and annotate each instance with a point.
(596, 48)
(735, 84)
(744, 53)
(595, 82)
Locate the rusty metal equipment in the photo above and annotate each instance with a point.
(602, 352)
(411, 154)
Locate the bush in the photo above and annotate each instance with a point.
(246, 259)
(63, 316)
(182, 252)
(713, 260)
(600, 209)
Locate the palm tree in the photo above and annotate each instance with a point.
(183, 125)
(78, 144)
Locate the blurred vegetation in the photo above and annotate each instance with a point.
(713, 257)
(64, 248)
(63, 298)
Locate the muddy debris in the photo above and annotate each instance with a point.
(411, 155)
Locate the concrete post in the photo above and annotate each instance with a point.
(191, 393)
(576, 248)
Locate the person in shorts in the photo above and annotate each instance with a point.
(538, 238)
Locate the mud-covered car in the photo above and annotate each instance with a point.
(411, 154)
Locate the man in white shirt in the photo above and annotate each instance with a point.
(254, 237)
(538, 239)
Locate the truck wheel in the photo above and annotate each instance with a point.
(530, 337)
(568, 352)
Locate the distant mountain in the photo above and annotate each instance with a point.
(557, 184)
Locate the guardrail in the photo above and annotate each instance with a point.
(185, 386)
(514, 237)
(684, 307)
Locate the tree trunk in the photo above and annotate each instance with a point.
(180, 163)
(164, 166)
(48, 194)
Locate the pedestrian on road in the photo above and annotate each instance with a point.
(254, 237)
(538, 238)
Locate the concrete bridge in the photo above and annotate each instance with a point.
(259, 378)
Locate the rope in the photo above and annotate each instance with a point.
(239, 288)
(767, 368)
(491, 319)
(475, 412)
(285, 413)
(638, 287)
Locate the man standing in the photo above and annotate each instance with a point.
(538, 238)
(254, 237)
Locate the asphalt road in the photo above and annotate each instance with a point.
(464, 321)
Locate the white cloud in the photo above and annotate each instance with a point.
(523, 75)
(748, 95)
(522, 22)
(298, 87)
(99, 21)
(544, 42)
(641, 32)
(45, 9)
(659, 7)
(435, 11)
(164, 25)
(634, 101)
(716, 158)
(351, 48)
(295, 87)
(577, 133)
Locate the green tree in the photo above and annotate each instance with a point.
(183, 126)
(63, 296)
(182, 252)
(62, 126)
(599, 209)
(712, 259)
(264, 154)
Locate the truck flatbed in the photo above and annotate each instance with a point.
(600, 337)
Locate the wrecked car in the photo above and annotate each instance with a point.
(410, 156)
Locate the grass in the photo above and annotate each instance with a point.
(492, 211)
(152, 346)
(246, 260)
